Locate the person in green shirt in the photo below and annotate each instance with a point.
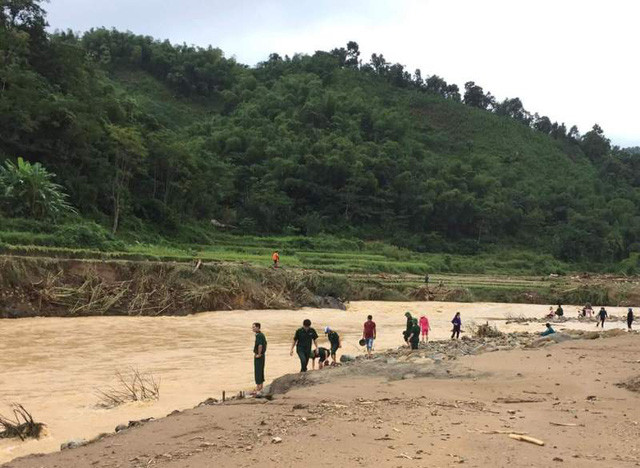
(414, 334)
(407, 330)
(334, 340)
(322, 355)
(302, 340)
(259, 350)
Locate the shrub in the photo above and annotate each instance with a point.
(28, 190)
(88, 235)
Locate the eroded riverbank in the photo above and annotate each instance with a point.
(54, 365)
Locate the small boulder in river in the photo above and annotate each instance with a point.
(73, 443)
(328, 302)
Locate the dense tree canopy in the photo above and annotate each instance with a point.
(143, 130)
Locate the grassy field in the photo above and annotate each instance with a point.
(325, 253)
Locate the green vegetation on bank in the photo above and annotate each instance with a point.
(345, 165)
(327, 253)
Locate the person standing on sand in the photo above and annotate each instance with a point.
(407, 330)
(334, 340)
(602, 316)
(414, 336)
(424, 328)
(302, 341)
(259, 350)
(629, 318)
(457, 325)
(369, 334)
(276, 259)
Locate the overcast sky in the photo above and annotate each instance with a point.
(573, 60)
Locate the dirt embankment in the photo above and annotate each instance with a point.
(36, 286)
(462, 408)
(58, 287)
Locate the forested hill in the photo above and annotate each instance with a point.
(143, 131)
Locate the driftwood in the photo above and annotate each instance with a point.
(22, 425)
(518, 400)
(135, 386)
(524, 438)
(500, 432)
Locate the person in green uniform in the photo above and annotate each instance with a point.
(407, 330)
(414, 335)
(302, 340)
(259, 350)
(322, 355)
(334, 340)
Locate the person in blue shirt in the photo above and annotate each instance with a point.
(548, 331)
(457, 324)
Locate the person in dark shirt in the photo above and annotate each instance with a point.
(322, 355)
(407, 330)
(414, 336)
(302, 340)
(602, 316)
(629, 318)
(457, 325)
(369, 334)
(259, 350)
(559, 311)
(334, 340)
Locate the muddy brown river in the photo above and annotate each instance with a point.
(53, 366)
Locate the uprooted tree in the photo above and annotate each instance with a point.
(21, 426)
(130, 387)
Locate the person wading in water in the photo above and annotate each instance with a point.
(602, 316)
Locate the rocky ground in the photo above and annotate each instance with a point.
(447, 404)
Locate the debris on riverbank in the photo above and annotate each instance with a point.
(22, 426)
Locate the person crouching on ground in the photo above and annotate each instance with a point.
(322, 355)
(369, 334)
(629, 318)
(424, 328)
(457, 325)
(602, 316)
(334, 340)
(259, 350)
(302, 341)
(548, 331)
(414, 337)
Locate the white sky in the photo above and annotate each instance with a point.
(573, 60)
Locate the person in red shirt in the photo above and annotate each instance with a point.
(369, 334)
(276, 259)
(425, 328)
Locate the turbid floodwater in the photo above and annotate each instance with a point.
(53, 366)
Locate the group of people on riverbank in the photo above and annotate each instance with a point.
(587, 311)
(306, 347)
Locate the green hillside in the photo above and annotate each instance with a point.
(153, 141)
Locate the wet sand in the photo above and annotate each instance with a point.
(53, 366)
